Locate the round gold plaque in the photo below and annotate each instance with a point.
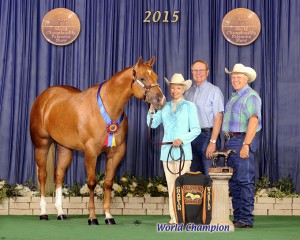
(60, 26)
(241, 26)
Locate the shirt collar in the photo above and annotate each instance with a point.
(177, 100)
(205, 83)
(242, 91)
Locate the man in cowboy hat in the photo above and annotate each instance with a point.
(241, 122)
(210, 106)
(181, 127)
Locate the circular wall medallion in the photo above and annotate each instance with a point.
(60, 26)
(241, 26)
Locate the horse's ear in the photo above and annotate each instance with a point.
(151, 61)
(139, 62)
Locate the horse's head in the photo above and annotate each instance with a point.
(145, 84)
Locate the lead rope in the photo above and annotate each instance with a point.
(181, 160)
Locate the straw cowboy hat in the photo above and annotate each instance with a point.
(178, 79)
(240, 68)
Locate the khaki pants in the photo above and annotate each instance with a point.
(174, 167)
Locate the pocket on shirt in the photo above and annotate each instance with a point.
(209, 105)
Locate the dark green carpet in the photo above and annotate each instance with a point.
(31, 228)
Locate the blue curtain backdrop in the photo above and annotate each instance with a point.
(113, 36)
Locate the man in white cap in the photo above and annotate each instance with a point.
(241, 122)
(181, 127)
(210, 106)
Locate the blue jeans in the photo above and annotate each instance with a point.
(242, 182)
(199, 146)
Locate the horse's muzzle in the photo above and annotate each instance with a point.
(159, 102)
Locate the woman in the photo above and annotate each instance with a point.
(181, 127)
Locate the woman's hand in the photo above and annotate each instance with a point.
(177, 143)
(151, 108)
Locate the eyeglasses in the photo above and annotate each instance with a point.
(199, 70)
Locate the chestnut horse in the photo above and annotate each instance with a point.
(75, 120)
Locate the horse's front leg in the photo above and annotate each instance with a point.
(112, 162)
(90, 165)
(64, 161)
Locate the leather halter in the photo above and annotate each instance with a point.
(146, 87)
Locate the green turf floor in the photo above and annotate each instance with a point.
(31, 228)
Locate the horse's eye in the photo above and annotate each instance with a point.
(143, 79)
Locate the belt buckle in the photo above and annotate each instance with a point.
(227, 135)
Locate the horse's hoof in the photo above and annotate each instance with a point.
(44, 217)
(62, 217)
(93, 221)
(110, 221)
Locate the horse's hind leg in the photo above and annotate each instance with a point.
(64, 160)
(41, 152)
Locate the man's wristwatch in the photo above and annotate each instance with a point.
(213, 141)
(246, 144)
